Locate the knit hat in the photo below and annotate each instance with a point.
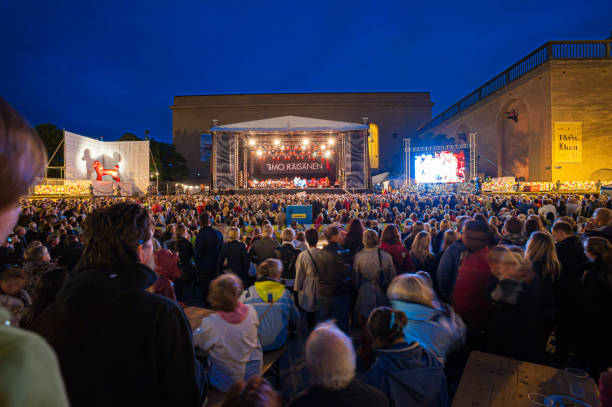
(166, 264)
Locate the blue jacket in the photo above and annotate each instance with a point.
(448, 268)
(435, 330)
(273, 327)
(409, 376)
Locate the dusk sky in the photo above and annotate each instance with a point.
(105, 68)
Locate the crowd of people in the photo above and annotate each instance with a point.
(393, 290)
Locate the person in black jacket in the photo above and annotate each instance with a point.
(208, 245)
(117, 343)
(571, 256)
(288, 254)
(234, 257)
(69, 252)
(515, 293)
(334, 280)
(180, 245)
(596, 301)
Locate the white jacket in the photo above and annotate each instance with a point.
(234, 352)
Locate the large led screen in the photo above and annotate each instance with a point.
(441, 167)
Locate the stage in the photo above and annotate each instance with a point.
(290, 191)
(290, 154)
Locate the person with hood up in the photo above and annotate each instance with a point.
(126, 346)
(439, 330)
(273, 303)
(405, 372)
(230, 335)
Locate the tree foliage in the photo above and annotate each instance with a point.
(52, 136)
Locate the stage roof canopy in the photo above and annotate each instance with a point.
(289, 124)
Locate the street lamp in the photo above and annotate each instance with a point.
(157, 181)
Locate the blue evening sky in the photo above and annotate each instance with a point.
(108, 67)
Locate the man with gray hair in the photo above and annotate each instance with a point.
(330, 359)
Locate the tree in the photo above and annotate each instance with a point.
(170, 164)
(52, 136)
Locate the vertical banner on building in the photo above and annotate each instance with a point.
(568, 142)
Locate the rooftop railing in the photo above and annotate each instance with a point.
(549, 51)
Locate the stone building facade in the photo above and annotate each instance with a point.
(397, 115)
(517, 126)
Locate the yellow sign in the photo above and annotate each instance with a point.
(567, 144)
(298, 216)
(373, 145)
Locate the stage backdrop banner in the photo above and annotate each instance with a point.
(568, 142)
(131, 158)
(224, 146)
(355, 160)
(301, 213)
(295, 167)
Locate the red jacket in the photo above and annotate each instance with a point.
(401, 257)
(470, 295)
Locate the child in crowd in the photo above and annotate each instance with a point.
(230, 335)
(274, 305)
(405, 372)
(13, 296)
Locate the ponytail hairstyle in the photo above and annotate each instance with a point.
(599, 248)
(386, 325)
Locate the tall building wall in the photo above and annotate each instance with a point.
(573, 92)
(505, 146)
(582, 92)
(397, 115)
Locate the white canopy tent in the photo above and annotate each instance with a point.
(289, 124)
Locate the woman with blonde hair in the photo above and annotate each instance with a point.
(439, 330)
(423, 258)
(541, 252)
(229, 335)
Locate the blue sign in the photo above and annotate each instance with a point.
(301, 213)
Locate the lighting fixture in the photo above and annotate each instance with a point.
(251, 141)
(331, 141)
(327, 154)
